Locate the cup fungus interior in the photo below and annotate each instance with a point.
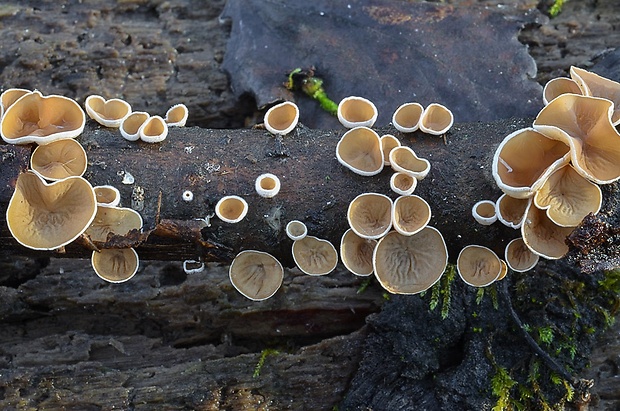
(410, 214)
(115, 265)
(256, 275)
(282, 118)
(519, 257)
(315, 256)
(407, 116)
(542, 235)
(356, 253)
(113, 220)
(478, 266)
(59, 159)
(370, 215)
(231, 209)
(360, 150)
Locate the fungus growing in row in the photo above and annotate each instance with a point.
(356, 253)
(296, 230)
(543, 236)
(59, 159)
(267, 185)
(177, 115)
(356, 111)
(410, 214)
(130, 126)
(107, 196)
(478, 266)
(403, 183)
(484, 212)
(519, 257)
(406, 118)
(591, 84)
(154, 130)
(403, 159)
(231, 209)
(510, 211)
(282, 118)
(436, 119)
(584, 123)
(10, 96)
(359, 149)
(35, 118)
(46, 216)
(558, 86)
(113, 220)
(388, 143)
(256, 275)
(108, 113)
(370, 215)
(314, 256)
(410, 264)
(115, 265)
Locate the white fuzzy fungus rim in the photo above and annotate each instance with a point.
(267, 185)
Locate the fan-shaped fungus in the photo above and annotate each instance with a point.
(108, 113)
(231, 209)
(519, 257)
(403, 183)
(410, 214)
(315, 256)
(359, 149)
(406, 118)
(478, 266)
(113, 220)
(130, 126)
(356, 111)
(267, 185)
(405, 160)
(370, 215)
(177, 115)
(436, 119)
(484, 212)
(154, 130)
(59, 159)
(115, 265)
(256, 275)
(410, 264)
(296, 230)
(282, 118)
(356, 253)
(46, 216)
(107, 196)
(591, 84)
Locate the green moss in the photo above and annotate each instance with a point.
(442, 291)
(556, 8)
(261, 360)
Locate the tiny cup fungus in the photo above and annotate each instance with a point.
(484, 212)
(35, 118)
(558, 86)
(267, 185)
(177, 115)
(314, 256)
(46, 216)
(410, 214)
(282, 118)
(356, 253)
(356, 111)
(130, 126)
(478, 266)
(436, 119)
(113, 220)
(59, 159)
(370, 215)
(231, 209)
(193, 266)
(154, 130)
(115, 265)
(296, 230)
(403, 159)
(406, 118)
(360, 150)
(256, 275)
(519, 257)
(403, 183)
(388, 143)
(107, 196)
(187, 196)
(410, 264)
(108, 113)
(510, 211)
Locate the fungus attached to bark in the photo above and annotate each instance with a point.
(370, 215)
(231, 209)
(46, 216)
(436, 119)
(406, 118)
(59, 159)
(267, 185)
(296, 230)
(484, 212)
(403, 183)
(410, 214)
(591, 84)
(282, 118)
(478, 266)
(35, 118)
(115, 265)
(108, 113)
(519, 257)
(314, 256)
(256, 275)
(359, 149)
(356, 111)
(356, 253)
(388, 143)
(130, 126)
(107, 196)
(510, 211)
(154, 130)
(113, 220)
(177, 115)
(543, 236)
(410, 264)
(405, 160)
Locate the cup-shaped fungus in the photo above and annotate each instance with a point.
(370, 215)
(107, 196)
(543, 236)
(410, 264)
(568, 197)
(130, 126)
(356, 111)
(35, 118)
(115, 265)
(154, 130)
(108, 113)
(403, 183)
(405, 160)
(478, 266)
(388, 142)
(177, 115)
(524, 159)
(519, 257)
(356, 253)
(584, 123)
(558, 86)
(256, 275)
(510, 211)
(406, 118)
(484, 212)
(59, 159)
(46, 216)
(410, 214)
(113, 220)
(267, 185)
(591, 84)
(10, 96)
(436, 119)
(503, 271)
(296, 230)
(282, 118)
(315, 256)
(359, 149)
(231, 209)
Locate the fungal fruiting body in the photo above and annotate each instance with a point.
(108, 113)
(267, 185)
(231, 209)
(177, 115)
(282, 118)
(406, 118)
(357, 111)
